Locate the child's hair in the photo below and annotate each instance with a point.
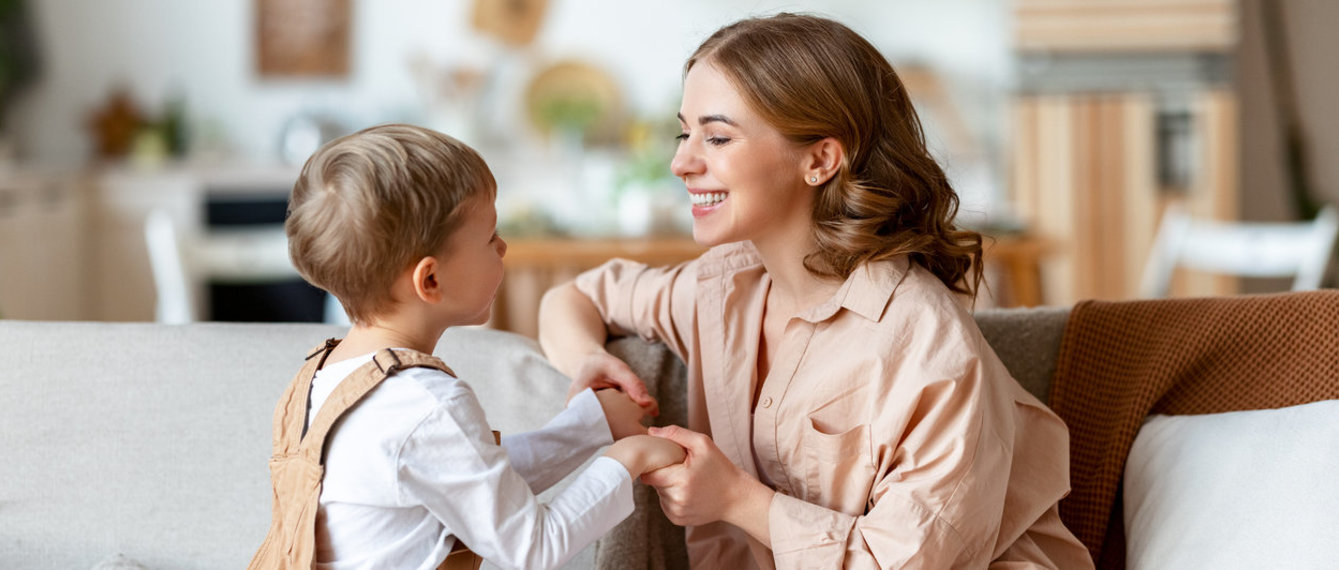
(813, 78)
(369, 205)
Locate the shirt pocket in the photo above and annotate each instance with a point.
(839, 471)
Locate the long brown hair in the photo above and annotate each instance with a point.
(813, 78)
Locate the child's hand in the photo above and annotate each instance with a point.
(643, 454)
(660, 452)
(623, 414)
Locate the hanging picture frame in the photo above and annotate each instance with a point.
(302, 38)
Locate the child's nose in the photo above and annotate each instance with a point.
(501, 247)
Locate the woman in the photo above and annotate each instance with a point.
(844, 410)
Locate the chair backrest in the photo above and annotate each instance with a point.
(1301, 250)
(176, 296)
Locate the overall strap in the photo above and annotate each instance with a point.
(290, 415)
(356, 386)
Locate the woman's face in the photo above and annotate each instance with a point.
(746, 181)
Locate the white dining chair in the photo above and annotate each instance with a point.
(184, 264)
(1299, 250)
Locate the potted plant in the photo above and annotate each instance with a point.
(18, 60)
(646, 192)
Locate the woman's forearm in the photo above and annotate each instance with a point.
(751, 509)
(570, 327)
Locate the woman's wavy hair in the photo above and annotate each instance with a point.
(813, 78)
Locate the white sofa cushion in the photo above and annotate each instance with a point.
(1252, 489)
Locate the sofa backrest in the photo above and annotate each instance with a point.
(152, 441)
(1027, 340)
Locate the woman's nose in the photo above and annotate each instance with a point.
(685, 162)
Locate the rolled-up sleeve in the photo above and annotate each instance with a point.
(805, 535)
(654, 303)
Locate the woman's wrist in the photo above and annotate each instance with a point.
(750, 507)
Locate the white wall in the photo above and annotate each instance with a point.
(203, 50)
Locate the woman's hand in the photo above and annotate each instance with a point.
(601, 370)
(707, 487)
(572, 335)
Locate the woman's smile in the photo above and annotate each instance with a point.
(706, 202)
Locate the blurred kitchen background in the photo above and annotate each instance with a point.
(147, 146)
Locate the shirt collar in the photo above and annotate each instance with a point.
(865, 292)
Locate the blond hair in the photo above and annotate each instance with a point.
(369, 205)
(812, 78)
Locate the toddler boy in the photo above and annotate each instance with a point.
(383, 458)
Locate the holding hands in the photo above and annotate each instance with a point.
(638, 452)
(708, 487)
(697, 484)
(642, 454)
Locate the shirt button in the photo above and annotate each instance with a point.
(766, 402)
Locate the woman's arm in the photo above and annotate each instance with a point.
(570, 328)
(572, 335)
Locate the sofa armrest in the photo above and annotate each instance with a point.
(647, 539)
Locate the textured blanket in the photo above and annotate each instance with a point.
(1121, 361)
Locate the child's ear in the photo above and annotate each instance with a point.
(427, 281)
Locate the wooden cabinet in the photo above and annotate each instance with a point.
(1126, 25)
(42, 247)
(120, 202)
(1123, 106)
(119, 259)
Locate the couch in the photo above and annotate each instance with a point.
(137, 445)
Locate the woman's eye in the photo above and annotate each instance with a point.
(717, 141)
(682, 137)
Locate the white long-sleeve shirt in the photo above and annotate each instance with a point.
(413, 468)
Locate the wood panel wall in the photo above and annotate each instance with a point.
(1084, 179)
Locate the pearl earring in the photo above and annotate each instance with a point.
(813, 179)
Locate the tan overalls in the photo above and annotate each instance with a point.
(297, 466)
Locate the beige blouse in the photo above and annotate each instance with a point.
(893, 435)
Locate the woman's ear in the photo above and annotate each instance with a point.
(821, 160)
(427, 283)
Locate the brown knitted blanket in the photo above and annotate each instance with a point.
(1121, 361)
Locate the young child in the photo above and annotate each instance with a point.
(383, 458)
